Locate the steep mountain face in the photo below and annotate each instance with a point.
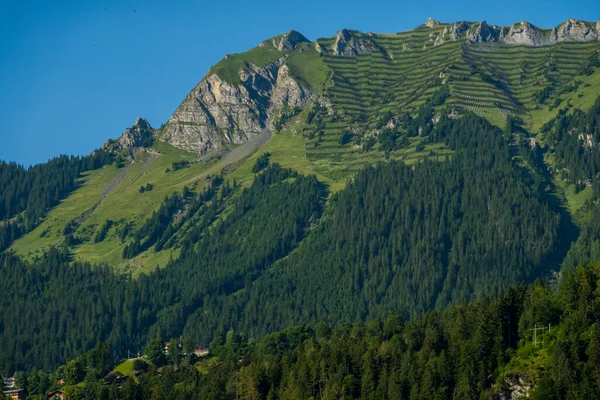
(217, 113)
(575, 31)
(362, 86)
(521, 33)
(289, 41)
(348, 43)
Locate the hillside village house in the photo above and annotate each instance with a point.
(56, 395)
(200, 351)
(14, 394)
(9, 383)
(10, 389)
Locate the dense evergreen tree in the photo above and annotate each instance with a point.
(573, 138)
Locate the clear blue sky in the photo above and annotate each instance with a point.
(75, 73)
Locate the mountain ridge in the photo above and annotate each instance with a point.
(231, 108)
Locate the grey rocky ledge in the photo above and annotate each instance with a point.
(351, 43)
(521, 33)
(132, 138)
(217, 113)
(289, 41)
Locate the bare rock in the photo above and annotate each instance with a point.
(217, 113)
(288, 91)
(318, 48)
(573, 30)
(524, 33)
(452, 33)
(519, 385)
(521, 33)
(290, 41)
(431, 23)
(484, 33)
(348, 43)
(132, 138)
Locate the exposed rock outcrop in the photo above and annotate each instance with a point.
(451, 33)
(288, 91)
(574, 31)
(217, 113)
(431, 23)
(524, 33)
(521, 33)
(483, 33)
(136, 136)
(519, 386)
(349, 43)
(290, 41)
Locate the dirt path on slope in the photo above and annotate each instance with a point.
(112, 185)
(228, 160)
(104, 194)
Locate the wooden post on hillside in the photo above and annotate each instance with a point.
(535, 329)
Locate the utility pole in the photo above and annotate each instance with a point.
(509, 331)
(535, 329)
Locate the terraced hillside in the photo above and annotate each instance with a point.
(403, 70)
(335, 106)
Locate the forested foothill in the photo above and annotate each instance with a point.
(483, 349)
(267, 256)
(410, 282)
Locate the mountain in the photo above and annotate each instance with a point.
(324, 105)
(242, 95)
(344, 179)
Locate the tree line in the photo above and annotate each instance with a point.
(26, 194)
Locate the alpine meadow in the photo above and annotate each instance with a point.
(412, 215)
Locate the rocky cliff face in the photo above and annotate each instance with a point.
(137, 136)
(217, 113)
(432, 23)
(519, 386)
(288, 91)
(348, 43)
(451, 33)
(482, 33)
(289, 41)
(575, 31)
(521, 33)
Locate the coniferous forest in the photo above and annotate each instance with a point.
(463, 352)
(433, 234)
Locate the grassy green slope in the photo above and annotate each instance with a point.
(490, 79)
(115, 193)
